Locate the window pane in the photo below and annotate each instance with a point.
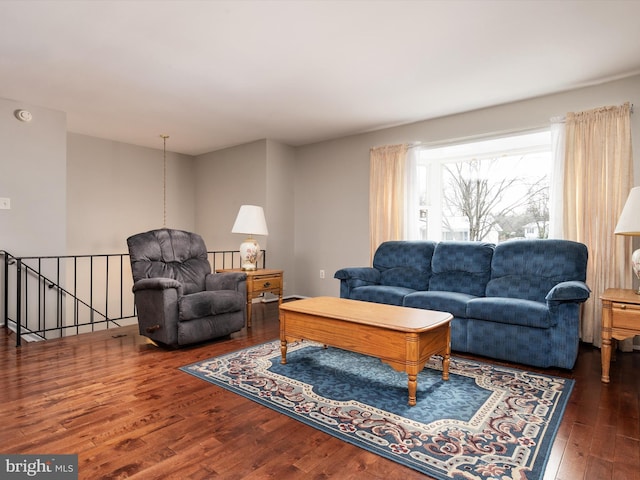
(491, 190)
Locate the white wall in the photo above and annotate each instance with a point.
(332, 178)
(33, 176)
(115, 190)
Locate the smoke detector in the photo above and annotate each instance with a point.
(23, 115)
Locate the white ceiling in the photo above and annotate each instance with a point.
(213, 74)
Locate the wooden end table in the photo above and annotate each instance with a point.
(402, 337)
(259, 282)
(620, 320)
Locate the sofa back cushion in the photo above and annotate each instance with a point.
(463, 267)
(404, 263)
(528, 269)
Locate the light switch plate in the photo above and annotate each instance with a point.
(5, 203)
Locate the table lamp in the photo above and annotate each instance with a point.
(629, 224)
(250, 220)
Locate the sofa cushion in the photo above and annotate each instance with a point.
(514, 343)
(381, 294)
(515, 311)
(463, 267)
(407, 277)
(453, 302)
(529, 269)
(404, 263)
(203, 304)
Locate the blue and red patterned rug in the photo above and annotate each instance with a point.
(486, 422)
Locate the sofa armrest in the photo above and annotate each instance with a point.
(353, 277)
(157, 283)
(368, 275)
(572, 291)
(226, 281)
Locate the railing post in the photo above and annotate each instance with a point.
(5, 297)
(18, 302)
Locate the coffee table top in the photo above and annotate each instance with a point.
(392, 317)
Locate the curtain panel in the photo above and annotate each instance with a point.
(556, 181)
(597, 179)
(386, 194)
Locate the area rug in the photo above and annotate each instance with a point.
(485, 422)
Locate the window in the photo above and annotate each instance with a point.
(490, 190)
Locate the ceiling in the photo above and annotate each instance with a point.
(213, 74)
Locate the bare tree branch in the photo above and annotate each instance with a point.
(483, 201)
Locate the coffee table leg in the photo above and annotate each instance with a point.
(413, 387)
(446, 360)
(283, 352)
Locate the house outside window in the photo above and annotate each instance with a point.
(488, 190)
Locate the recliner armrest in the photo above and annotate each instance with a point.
(572, 291)
(157, 283)
(226, 281)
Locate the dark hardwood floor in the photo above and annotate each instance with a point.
(121, 403)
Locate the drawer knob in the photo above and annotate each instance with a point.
(623, 307)
(267, 284)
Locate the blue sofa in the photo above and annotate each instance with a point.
(517, 301)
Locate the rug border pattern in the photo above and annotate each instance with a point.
(524, 461)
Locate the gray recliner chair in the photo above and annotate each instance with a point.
(178, 300)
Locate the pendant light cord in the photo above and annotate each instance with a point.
(164, 180)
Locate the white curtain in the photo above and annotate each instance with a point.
(387, 181)
(598, 178)
(556, 183)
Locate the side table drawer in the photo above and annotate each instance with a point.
(266, 282)
(626, 316)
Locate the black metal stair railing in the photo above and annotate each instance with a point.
(54, 296)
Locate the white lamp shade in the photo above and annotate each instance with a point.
(250, 220)
(629, 221)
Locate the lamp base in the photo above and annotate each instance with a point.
(249, 250)
(635, 264)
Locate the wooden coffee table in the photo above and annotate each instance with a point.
(402, 337)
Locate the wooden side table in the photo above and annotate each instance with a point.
(620, 320)
(259, 282)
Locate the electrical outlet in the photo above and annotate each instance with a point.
(321, 273)
(5, 204)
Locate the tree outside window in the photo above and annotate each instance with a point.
(486, 191)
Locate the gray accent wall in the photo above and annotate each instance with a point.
(226, 179)
(116, 189)
(258, 173)
(33, 160)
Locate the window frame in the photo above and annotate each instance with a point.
(431, 159)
